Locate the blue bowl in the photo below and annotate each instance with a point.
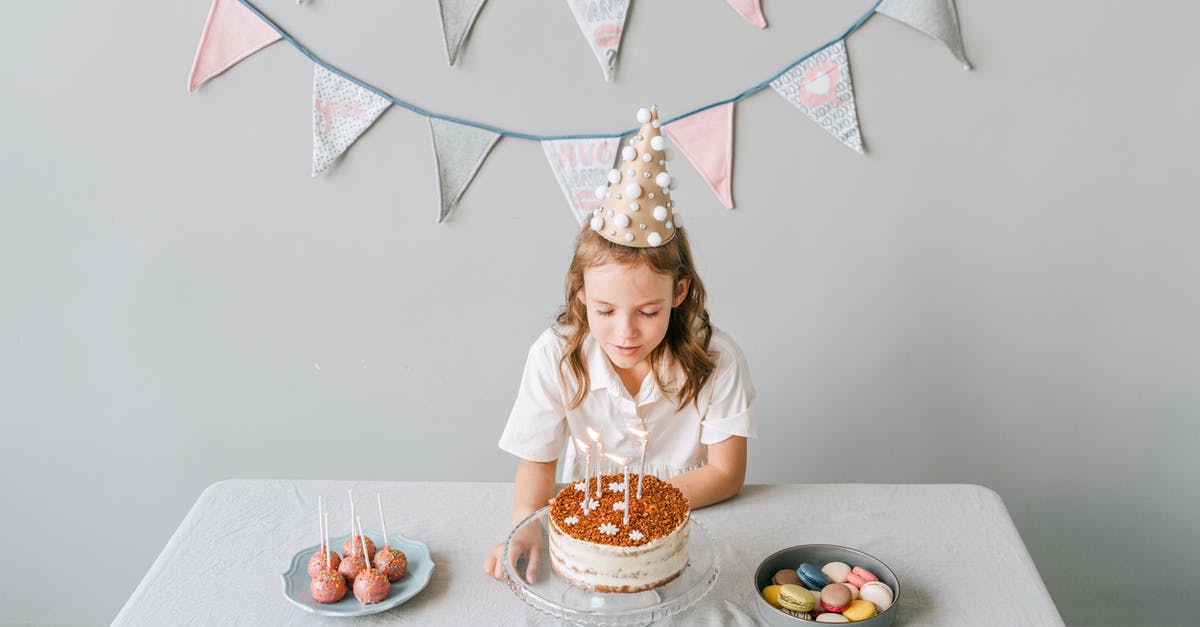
(820, 554)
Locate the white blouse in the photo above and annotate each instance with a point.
(540, 422)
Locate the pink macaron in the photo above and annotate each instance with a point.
(859, 576)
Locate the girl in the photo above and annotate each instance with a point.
(632, 349)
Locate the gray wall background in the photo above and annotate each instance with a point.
(1003, 292)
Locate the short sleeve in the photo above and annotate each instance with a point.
(537, 426)
(730, 409)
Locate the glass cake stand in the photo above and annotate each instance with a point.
(550, 593)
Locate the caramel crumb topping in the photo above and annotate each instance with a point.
(660, 511)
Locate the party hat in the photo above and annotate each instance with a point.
(636, 207)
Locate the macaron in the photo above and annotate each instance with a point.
(836, 571)
(812, 576)
(835, 597)
(786, 576)
(770, 594)
(795, 614)
(879, 594)
(858, 576)
(859, 610)
(793, 597)
(830, 617)
(852, 589)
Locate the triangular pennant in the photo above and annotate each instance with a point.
(231, 33)
(459, 151)
(602, 23)
(820, 87)
(580, 166)
(457, 18)
(342, 110)
(936, 18)
(706, 139)
(750, 10)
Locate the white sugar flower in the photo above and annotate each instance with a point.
(635, 535)
(580, 487)
(616, 486)
(608, 529)
(588, 505)
(570, 520)
(618, 506)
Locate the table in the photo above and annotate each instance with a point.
(956, 552)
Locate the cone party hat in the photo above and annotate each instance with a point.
(636, 207)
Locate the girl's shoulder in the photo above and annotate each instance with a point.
(725, 351)
(551, 343)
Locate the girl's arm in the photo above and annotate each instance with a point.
(720, 478)
(532, 489)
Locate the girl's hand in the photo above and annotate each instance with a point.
(528, 544)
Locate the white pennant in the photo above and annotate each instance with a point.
(602, 23)
(342, 110)
(820, 87)
(457, 18)
(580, 166)
(936, 18)
(459, 151)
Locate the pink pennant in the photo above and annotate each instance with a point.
(706, 139)
(750, 10)
(232, 33)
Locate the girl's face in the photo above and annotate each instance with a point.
(629, 308)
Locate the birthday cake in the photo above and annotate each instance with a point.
(593, 547)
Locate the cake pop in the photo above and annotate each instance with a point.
(393, 563)
(370, 586)
(322, 559)
(328, 586)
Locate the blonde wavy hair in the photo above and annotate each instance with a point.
(688, 331)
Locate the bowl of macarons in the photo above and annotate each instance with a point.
(825, 583)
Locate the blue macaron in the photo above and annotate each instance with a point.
(812, 576)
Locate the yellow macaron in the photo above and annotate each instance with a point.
(859, 610)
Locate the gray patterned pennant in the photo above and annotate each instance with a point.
(342, 110)
(820, 87)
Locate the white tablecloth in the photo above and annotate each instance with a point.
(954, 548)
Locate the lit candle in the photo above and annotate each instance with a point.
(587, 469)
(624, 462)
(645, 437)
(595, 436)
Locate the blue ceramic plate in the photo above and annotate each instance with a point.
(420, 569)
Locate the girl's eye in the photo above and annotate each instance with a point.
(603, 313)
(651, 314)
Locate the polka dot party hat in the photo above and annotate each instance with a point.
(636, 207)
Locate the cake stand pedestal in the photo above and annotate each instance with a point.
(551, 594)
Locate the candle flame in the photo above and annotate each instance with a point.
(639, 433)
(617, 458)
(593, 434)
(582, 446)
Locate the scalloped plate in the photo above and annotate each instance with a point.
(420, 570)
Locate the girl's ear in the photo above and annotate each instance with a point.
(681, 290)
(579, 295)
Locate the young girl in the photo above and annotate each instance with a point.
(632, 349)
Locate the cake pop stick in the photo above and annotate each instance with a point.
(325, 536)
(320, 524)
(382, 521)
(351, 493)
(362, 538)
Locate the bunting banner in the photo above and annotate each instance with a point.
(457, 18)
(820, 87)
(602, 23)
(459, 151)
(936, 18)
(750, 10)
(706, 139)
(342, 110)
(344, 107)
(580, 166)
(231, 33)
